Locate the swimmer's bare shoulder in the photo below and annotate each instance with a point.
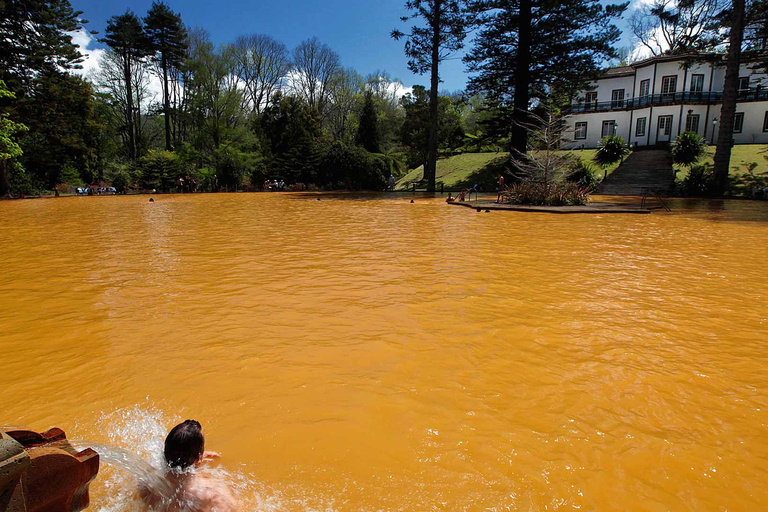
(209, 494)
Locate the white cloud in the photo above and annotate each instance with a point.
(84, 40)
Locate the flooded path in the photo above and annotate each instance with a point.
(361, 353)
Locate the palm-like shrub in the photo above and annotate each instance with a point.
(700, 182)
(610, 150)
(688, 148)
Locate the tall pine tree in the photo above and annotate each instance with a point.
(368, 124)
(36, 36)
(168, 43)
(526, 49)
(125, 36)
(426, 47)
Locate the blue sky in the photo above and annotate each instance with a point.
(357, 29)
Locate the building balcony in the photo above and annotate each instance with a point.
(676, 98)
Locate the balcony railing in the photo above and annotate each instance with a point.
(675, 98)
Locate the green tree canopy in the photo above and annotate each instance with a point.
(36, 36)
(10, 150)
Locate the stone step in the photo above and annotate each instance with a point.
(642, 171)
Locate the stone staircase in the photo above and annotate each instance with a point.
(643, 171)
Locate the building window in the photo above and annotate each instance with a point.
(609, 127)
(692, 123)
(645, 87)
(765, 122)
(617, 98)
(591, 97)
(738, 122)
(697, 83)
(744, 83)
(743, 87)
(581, 131)
(640, 127)
(669, 84)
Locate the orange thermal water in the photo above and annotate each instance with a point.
(364, 353)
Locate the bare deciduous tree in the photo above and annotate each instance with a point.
(315, 65)
(261, 64)
(128, 98)
(544, 164)
(677, 26)
(345, 88)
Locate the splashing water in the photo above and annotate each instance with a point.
(133, 459)
(145, 474)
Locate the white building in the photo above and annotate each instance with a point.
(653, 101)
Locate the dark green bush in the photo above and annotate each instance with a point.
(700, 182)
(610, 150)
(352, 168)
(688, 148)
(584, 175)
(537, 194)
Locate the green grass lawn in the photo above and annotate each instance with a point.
(740, 156)
(463, 171)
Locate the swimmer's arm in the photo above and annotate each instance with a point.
(210, 456)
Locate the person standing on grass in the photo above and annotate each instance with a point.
(500, 190)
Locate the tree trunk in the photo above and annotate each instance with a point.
(430, 169)
(519, 135)
(166, 105)
(5, 185)
(730, 93)
(129, 99)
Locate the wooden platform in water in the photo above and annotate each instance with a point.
(589, 208)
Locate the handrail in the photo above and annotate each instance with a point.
(688, 97)
(654, 194)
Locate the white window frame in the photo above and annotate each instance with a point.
(701, 83)
(743, 79)
(617, 98)
(612, 124)
(740, 117)
(666, 80)
(644, 120)
(590, 97)
(688, 119)
(578, 126)
(647, 84)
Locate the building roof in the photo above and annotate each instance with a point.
(630, 70)
(619, 71)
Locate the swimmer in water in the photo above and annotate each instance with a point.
(193, 492)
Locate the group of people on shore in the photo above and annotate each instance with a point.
(188, 184)
(273, 186)
(93, 190)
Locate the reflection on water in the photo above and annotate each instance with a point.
(364, 353)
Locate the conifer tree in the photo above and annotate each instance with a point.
(168, 42)
(35, 36)
(525, 49)
(426, 47)
(125, 36)
(368, 127)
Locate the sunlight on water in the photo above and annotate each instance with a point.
(362, 353)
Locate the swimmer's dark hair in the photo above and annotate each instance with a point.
(184, 445)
